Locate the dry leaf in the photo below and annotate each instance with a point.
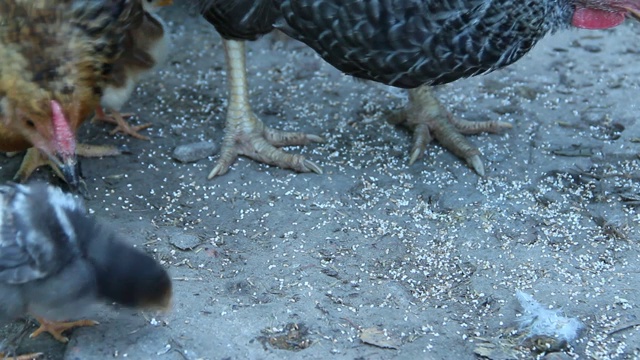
(495, 349)
(377, 337)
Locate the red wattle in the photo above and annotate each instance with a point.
(596, 19)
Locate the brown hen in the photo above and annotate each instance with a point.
(55, 59)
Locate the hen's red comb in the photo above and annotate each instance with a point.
(62, 134)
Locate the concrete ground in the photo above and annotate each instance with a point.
(376, 259)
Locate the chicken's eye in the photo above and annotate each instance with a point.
(31, 124)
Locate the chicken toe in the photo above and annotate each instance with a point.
(114, 117)
(89, 150)
(245, 134)
(427, 118)
(32, 160)
(57, 328)
(31, 356)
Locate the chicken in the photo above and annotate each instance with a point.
(56, 57)
(56, 261)
(413, 44)
(146, 45)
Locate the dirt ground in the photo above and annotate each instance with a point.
(376, 259)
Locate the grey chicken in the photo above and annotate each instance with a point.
(413, 44)
(56, 261)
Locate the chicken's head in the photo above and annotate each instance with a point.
(46, 126)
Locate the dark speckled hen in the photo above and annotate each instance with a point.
(413, 44)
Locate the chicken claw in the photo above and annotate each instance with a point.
(428, 119)
(31, 356)
(246, 135)
(32, 160)
(57, 328)
(122, 125)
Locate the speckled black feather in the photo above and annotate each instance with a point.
(404, 43)
(240, 19)
(409, 43)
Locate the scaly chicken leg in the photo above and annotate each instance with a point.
(57, 328)
(428, 119)
(245, 134)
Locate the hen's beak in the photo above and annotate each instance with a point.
(165, 2)
(70, 168)
(633, 9)
(72, 173)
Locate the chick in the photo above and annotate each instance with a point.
(56, 261)
(146, 45)
(56, 57)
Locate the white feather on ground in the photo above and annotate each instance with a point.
(549, 322)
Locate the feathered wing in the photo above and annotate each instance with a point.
(36, 239)
(240, 19)
(422, 42)
(17, 264)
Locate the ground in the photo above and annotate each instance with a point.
(376, 259)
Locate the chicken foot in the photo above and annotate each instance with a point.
(115, 117)
(57, 328)
(427, 118)
(245, 134)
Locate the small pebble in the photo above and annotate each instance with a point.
(195, 151)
